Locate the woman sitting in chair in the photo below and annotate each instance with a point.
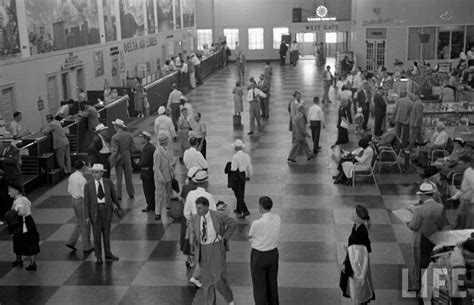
(359, 161)
(438, 140)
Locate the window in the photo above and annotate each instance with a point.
(450, 42)
(256, 39)
(231, 36)
(418, 50)
(309, 37)
(204, 37)
(331, 37)
(277, 32)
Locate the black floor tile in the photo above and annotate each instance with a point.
(307, 168)
(117, 273)
(5, 267)
(170, 295)
(307, 189)
(26, 295)
(238, 274)
(45, 230)
(57, 251)
(241, 233)
(137, 232)
(387, 276)
(370, 202)
(166, 251)
(307, 252)
(56, 202)
(302, 216)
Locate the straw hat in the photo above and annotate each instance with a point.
(145, 134)
(100, 127)
(119, 123)
(192, 171)
(200, 176)
(426, 188)
(161, 110)
(97, 167)
(238, 144)
(163, 138)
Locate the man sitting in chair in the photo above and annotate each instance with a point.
(438, 140)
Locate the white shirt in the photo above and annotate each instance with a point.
(241, 161)
(357, 81)
(190, 204)
(345, 95)
(97, 190)
(184, 68)
(15, 128)
(75, 185)
(257, 91)
(195, 60)
(192, 157)
(211, 234)
(105, 146)
(467, 186)
(199, 129)
(315, 113)
(265, 232)
(470, 54)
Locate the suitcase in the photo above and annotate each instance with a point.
(54, 176)
(237, 120)
(176, 208)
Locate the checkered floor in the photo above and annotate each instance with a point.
(315, 215)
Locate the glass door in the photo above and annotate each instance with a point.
(375, 54)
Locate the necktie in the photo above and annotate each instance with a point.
(204, 230)
(100, 192)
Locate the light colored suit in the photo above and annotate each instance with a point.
(122, 148)
(100, 215)
(163, 165)
(427, 219)
(60, 145)
(212, 257)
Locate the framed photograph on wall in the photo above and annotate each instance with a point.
(98, 63)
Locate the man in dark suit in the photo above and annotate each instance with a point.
(99, 201)
(210, 231)
(11, 161)
(122, 148)
(146, 171)
(363, 100)
(99, 149)
(380, 110)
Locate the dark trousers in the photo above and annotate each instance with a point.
(403, 132)
(101, 229)
(366, 113)
(315, 132)
(203, 147)
(264, 271)
(239, 192)
(282, 59)
(175, 113)
(198, 74)
(104, 160)
(149, 191)
(378, 125)
(264, 107)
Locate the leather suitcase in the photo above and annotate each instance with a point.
(54, 176)
(237, 119)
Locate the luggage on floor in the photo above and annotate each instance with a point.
(237, 120)
(176, 208)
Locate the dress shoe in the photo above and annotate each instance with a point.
(237, 212)
(71, 247)
(18, 262)
(250, 132)
(310, 157)
(88, 251)
(157, 217)
(31, 267)
(244, 215)
(131, 197)
(111, 258)
(99, 261)
(196, 282)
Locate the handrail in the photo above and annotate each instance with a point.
(116, 101)
(156, 82)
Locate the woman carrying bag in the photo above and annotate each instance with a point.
(344, 119)
(25, 236)
(356, 276)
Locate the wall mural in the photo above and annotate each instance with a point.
(177, 9)
(9, 38)
(150, 17)
(132, 18)
(165, 15)
(110, 20)
(188, 13)
(61, 24)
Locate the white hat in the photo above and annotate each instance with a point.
(200, 176)
(238, 144)
(426, 188)
(161, 110)
(145, 134)
(98, 167)
(100, 127)
(192, 171)
(119, 123)
(163, 138)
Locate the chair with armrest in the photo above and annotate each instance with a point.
(365, 172)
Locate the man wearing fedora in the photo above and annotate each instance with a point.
(241, 164)
(60, 142)
(428, 218)
(122, 149)
(100, 200)
(163, 169)
(99, 149)
(164, 124)
(146, 171)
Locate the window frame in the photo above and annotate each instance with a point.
(203, 34)
(256, 45)
(230, 42)
(277, 40)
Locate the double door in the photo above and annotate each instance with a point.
(375, 55)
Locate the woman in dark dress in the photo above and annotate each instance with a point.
(25, 243)
(356, 278)
(185, 246)
(344, 114)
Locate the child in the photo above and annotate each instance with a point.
(146, 104)
(238, 93)
(359, 120)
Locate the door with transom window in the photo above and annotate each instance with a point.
(375, 55)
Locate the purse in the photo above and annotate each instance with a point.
(175, 185)
(14, 222)
(344, 124)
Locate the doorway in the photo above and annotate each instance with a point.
(163, 54)
(81, 81)
(65, 84)
(7, 103)
(52, 92)
(335, 42)
(375, 54)
(306, 44)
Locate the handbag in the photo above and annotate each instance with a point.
(14, 222)
(175, 185)
(344, 124)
